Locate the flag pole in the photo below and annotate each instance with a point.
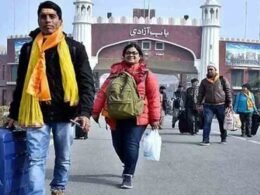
(149, 9)
(245, 20)
(144, 8)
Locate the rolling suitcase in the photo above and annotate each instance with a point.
(13, 162)
(79, 134)
(255, 123)
(183, 124)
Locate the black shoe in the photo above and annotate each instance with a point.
(82, 137)
(249, 135)
(173, 125)
(204, 143)
(223, 141)
(127, 182)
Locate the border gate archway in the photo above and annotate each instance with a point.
(172, 59)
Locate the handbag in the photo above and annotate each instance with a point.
(231, 121)
(152, 142)
(237, 122)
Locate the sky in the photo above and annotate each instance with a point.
(20, 16)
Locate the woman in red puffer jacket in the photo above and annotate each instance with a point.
(127, 133)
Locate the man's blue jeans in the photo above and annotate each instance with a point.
(126, 140)
(37, 144)
(209, 111)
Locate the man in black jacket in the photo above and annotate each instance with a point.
(178, 106)
(193, 117)
(54, 87)
(163, 100)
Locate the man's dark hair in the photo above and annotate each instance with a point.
(162, 87)
(50, 5)
(194, 80)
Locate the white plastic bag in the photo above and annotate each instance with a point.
(237, 122)
(228, 120)
(152, 142)
(232, 121)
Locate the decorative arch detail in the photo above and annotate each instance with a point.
(148, 38)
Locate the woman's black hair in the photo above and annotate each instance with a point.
(50, 5)
(247, 86)
(136, 46)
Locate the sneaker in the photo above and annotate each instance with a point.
(127, 182)
(204, 143)
(57, 192)
(223, 141)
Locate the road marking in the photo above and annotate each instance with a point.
(242, 138)
(245, 139)
(253, 141)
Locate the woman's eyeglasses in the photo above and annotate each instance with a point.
(134, 53)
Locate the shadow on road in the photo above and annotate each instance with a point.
(103, 179)
(180, 142)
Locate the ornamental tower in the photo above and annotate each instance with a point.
(82, 23)
(210, 35)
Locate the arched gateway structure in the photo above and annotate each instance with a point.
(178, 47)
(171, 46)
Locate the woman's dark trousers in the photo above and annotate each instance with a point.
(126, 140)
(246, 120)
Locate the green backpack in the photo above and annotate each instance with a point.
(123, 101)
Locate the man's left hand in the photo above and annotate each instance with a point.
(84, 121)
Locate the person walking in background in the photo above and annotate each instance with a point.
(215, 94)
(193, 116)
(179, 98)
(245, 106)
(127, 133)
(54, 77)
(163, 100)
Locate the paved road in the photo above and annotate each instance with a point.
(185, 167)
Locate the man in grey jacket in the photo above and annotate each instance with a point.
(215, 94)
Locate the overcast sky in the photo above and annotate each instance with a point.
(20, 16)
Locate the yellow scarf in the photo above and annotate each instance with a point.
(213, 80)
(250, 103)
(36, 86)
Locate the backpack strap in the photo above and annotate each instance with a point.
(223, 83)
(129, 76)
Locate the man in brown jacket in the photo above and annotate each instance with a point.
(215, 94)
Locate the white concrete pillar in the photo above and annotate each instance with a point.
(210, 35)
